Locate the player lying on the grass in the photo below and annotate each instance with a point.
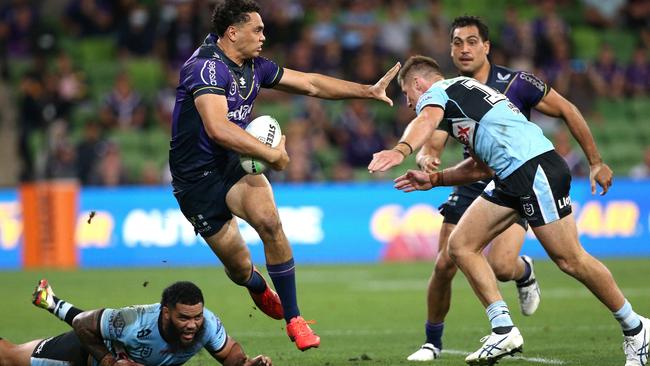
(531, 180)
(214, 102)
(166, 333)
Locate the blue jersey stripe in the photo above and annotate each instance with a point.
(545, 198)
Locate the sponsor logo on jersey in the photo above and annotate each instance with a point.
(503, 78)
(532, 80)
(211, 67)
(241, 113)
(242, 82)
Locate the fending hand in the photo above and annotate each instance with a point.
(600, 173)
(378, 91)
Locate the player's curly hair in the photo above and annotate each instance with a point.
(182, 292)
(418, 63)
(231, 12)
(468, 21)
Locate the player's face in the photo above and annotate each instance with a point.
(411, 91)
(185, 322)
(468, 51)
(250, 36)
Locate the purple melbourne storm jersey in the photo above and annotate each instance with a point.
(524, 90)
(192, 153)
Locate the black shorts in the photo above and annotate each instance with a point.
(203, 202)
(458, 202)
(65, 347)
(538, 190)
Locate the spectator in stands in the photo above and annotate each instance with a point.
(19, 24)
(637, 14)
(166, 98)
(123, 107)
(395, 31)
(179, 37)
(109, 171)
(359, 27)
(61, 157)
(642, 170)
(548, 29)
(135, 35)
(70, 84)
(637, 74)
(606, 76)
(85, 18)
(432, 37)
(89, 150)
(603, 14)
(30, 120)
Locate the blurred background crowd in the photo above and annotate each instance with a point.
(87, 87)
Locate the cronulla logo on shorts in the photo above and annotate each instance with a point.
(211, 67)
(241, 113)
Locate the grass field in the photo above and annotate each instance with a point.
(367, 314)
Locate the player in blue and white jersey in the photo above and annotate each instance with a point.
(530, 180)
(162, 334)
(214, 101)
(470, 47)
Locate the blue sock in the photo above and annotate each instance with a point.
(434, 333)
(527, 271)
(499, 314)
(256, 283)
(283, 276)
(627, 317)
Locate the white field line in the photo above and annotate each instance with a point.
(546, 361)
(262, 334)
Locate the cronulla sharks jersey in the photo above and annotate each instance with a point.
(524, 90)
(485, 121)
(210, 71)
(136, 330)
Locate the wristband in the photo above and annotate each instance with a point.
(437, 178)
(407, 144)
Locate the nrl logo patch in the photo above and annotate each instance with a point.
(528, 209)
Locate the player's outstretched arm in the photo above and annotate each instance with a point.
(467, 171)
(321, 86)
(213, 110)
(555, 105)
(233, 355)
(417, 132)
(428, 158)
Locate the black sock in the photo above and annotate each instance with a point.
(65, 311)
(502, 330)
(633, 332)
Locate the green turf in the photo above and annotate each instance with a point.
(367, 314)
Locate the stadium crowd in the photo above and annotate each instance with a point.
(92, 81)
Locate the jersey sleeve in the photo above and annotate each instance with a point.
(207, 76)
(270, 72)
(215, 333)
(434, 96)
(529, 88)
(118, 324)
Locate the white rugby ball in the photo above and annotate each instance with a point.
(267, 130)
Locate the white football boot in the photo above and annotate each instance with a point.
(636, 347)
(495, 346)
(529, 293)
(428, 352)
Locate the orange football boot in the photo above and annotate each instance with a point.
(299, 331)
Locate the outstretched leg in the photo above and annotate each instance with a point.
(16, 354)
(44, 297)
(251, 198)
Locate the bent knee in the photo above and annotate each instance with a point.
(445, 266)
(268, 225)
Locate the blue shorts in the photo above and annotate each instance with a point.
(538, 190)
(203, 202)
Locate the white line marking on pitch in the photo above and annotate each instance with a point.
(529, 359)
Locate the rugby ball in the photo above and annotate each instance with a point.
(267, 130)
